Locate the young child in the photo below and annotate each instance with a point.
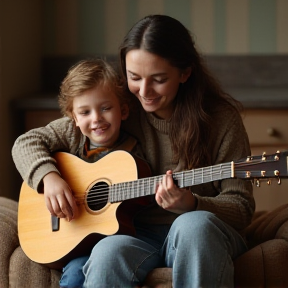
(93, 97)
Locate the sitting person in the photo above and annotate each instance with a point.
(183, 120)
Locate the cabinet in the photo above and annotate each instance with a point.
(268, 132)
(39, 118)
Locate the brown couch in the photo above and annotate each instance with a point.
(264, 265)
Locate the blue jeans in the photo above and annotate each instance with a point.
(73, 276)
(199, 246)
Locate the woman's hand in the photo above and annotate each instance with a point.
(172, 198)
(58, 197)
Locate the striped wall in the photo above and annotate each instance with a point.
(219, 26)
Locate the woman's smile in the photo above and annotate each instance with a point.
(151, 101)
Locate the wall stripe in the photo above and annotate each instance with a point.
(132, 17)
(180, 12)
(282, 26)
(115, 24)
(220, 26)
(66, 19)
(262, 21)
(237, 26)
(91, 27)
(146, 7)
(202, 15)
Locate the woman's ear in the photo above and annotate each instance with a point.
(124, 111)
(185, 74)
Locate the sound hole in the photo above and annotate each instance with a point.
(97, 196)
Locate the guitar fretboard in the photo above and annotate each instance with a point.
(146, 186)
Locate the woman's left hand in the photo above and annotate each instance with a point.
(172, 198)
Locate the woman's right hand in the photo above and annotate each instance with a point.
(58, 197)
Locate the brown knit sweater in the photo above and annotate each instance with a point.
(231, 200)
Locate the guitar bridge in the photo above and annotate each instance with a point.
(55, 223)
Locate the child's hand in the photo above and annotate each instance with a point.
(58, 197)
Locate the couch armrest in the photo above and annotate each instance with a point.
(8, 236)
(268, 226)
(265, 265)
(16, 269)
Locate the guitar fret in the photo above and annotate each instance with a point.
(146, 186)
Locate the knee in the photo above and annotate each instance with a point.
(196, 223)
(195, 219)
(111, 246)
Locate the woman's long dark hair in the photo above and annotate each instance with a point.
(197, 97)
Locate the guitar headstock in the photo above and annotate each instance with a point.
(263, 167)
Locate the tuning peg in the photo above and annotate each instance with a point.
(263, 173)
(257, 183)
(269, 182)
(279, 181)
(276, 173)
(276, 157)
(249, 158)
(263, 156)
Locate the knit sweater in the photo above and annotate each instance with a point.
(231, 199)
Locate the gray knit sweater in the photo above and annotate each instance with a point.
(231, 199)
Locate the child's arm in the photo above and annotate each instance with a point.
(33, 151)
(33, 156)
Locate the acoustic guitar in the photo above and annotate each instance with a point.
(104, 190)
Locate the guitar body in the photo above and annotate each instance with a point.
(71, 239)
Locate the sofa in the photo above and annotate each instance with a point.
(265, 264)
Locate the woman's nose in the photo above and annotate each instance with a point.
(144, 89)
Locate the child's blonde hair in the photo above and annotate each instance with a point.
(84, 76)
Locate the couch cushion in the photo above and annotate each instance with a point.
(268, 226)
(8, 236)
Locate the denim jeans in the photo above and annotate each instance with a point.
(73, 276)
(199, 247)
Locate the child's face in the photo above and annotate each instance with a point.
(98, 114)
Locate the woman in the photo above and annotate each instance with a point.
(185, 121)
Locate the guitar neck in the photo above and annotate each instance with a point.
(146, 186)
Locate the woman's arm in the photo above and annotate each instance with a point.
(235, 203)
(231, 200)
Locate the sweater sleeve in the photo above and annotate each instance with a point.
(32, 151)
(235, 203)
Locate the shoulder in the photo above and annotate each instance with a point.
(226, 117)
(230, 139)
(62, 123)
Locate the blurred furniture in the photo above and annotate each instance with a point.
(268, 132)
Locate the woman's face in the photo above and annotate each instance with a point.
(154, 81)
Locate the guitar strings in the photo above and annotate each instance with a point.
(101, 193)
(121, 191)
